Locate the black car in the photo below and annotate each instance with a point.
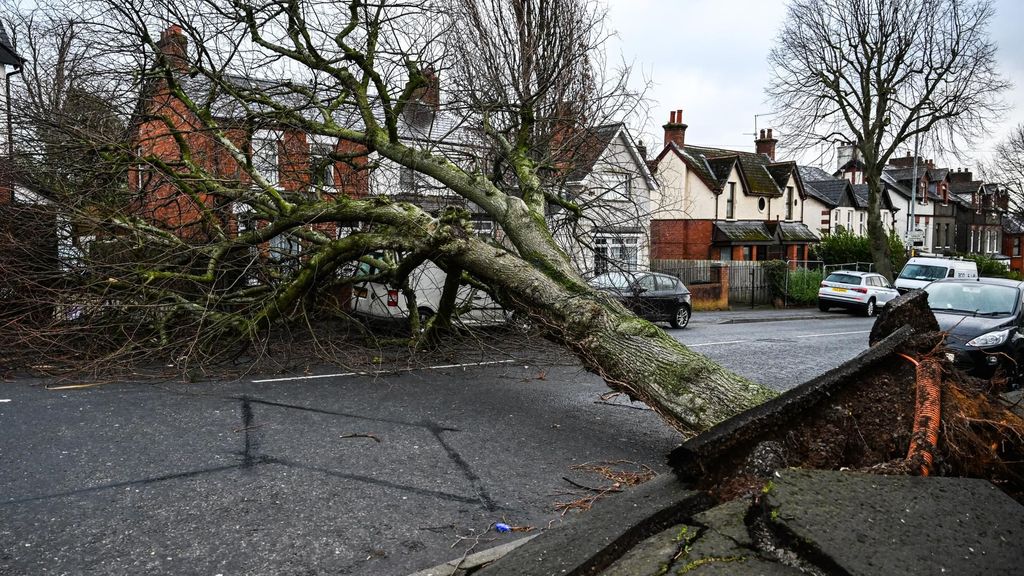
(650, 295)
(983, 318)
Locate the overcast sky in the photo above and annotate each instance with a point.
(709, 58)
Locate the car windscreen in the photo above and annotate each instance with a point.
(843, 279)
(973, 298)
(612, 280)
(923, 272)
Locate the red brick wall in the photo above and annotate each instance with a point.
(1016, 262)
(681, 239)
(164, 202)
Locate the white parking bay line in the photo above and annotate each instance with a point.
(379, 372)
(833, 334)
(715, 343)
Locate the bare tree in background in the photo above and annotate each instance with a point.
(362, 76)
(883, 72)
(1007, 168)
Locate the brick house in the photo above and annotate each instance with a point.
(720, 204)
(166, 133)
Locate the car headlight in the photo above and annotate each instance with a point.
(991, 339)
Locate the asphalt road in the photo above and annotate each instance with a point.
(779, 354)
(347, 474)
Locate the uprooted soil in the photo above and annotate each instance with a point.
(868, 425)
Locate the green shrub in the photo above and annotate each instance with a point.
(798, 286)
(803, 285)
(842, 247)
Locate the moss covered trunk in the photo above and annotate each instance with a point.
(632, 355)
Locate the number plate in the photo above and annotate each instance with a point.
(839, 289)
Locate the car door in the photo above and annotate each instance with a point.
(644, 297)
(666, 295)
(885, 290)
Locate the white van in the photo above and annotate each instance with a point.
(381, 301)
(923, 270)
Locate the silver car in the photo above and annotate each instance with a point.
(864, 292)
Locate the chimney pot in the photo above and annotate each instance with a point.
(174, 46)
(765, 145)
(675, 130)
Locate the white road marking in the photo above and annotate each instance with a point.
(379, 372)
(798, 336)
(715, 343)
(834, 334)
(5, 399)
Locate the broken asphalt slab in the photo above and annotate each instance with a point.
(868, 524)
(805, 521)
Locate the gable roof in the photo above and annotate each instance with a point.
(814, 174)
(860, 196)
(597, 140)
(833, 192)
(753, 167)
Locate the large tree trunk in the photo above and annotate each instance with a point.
(687, 389)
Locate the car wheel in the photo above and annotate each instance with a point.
(425, 315)
(869, 308)
(681, 317)
(822, 306)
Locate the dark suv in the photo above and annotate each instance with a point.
(983, 319)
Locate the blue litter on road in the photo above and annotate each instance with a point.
(500, 527)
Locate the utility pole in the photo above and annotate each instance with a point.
(912, 225)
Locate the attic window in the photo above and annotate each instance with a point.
(761, 204)
(620, 186)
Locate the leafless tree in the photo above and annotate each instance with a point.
(882, 72)
(1007, 168)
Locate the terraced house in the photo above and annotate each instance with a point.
(723, 204)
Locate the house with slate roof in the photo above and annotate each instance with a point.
(954, 212)
(845, 205)
(720, 204)
(608, 178)
(979, 218)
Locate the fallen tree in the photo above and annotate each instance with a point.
(196, 250)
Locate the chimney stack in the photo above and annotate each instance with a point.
(765, 144)
(174, 46)
(675, 130)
